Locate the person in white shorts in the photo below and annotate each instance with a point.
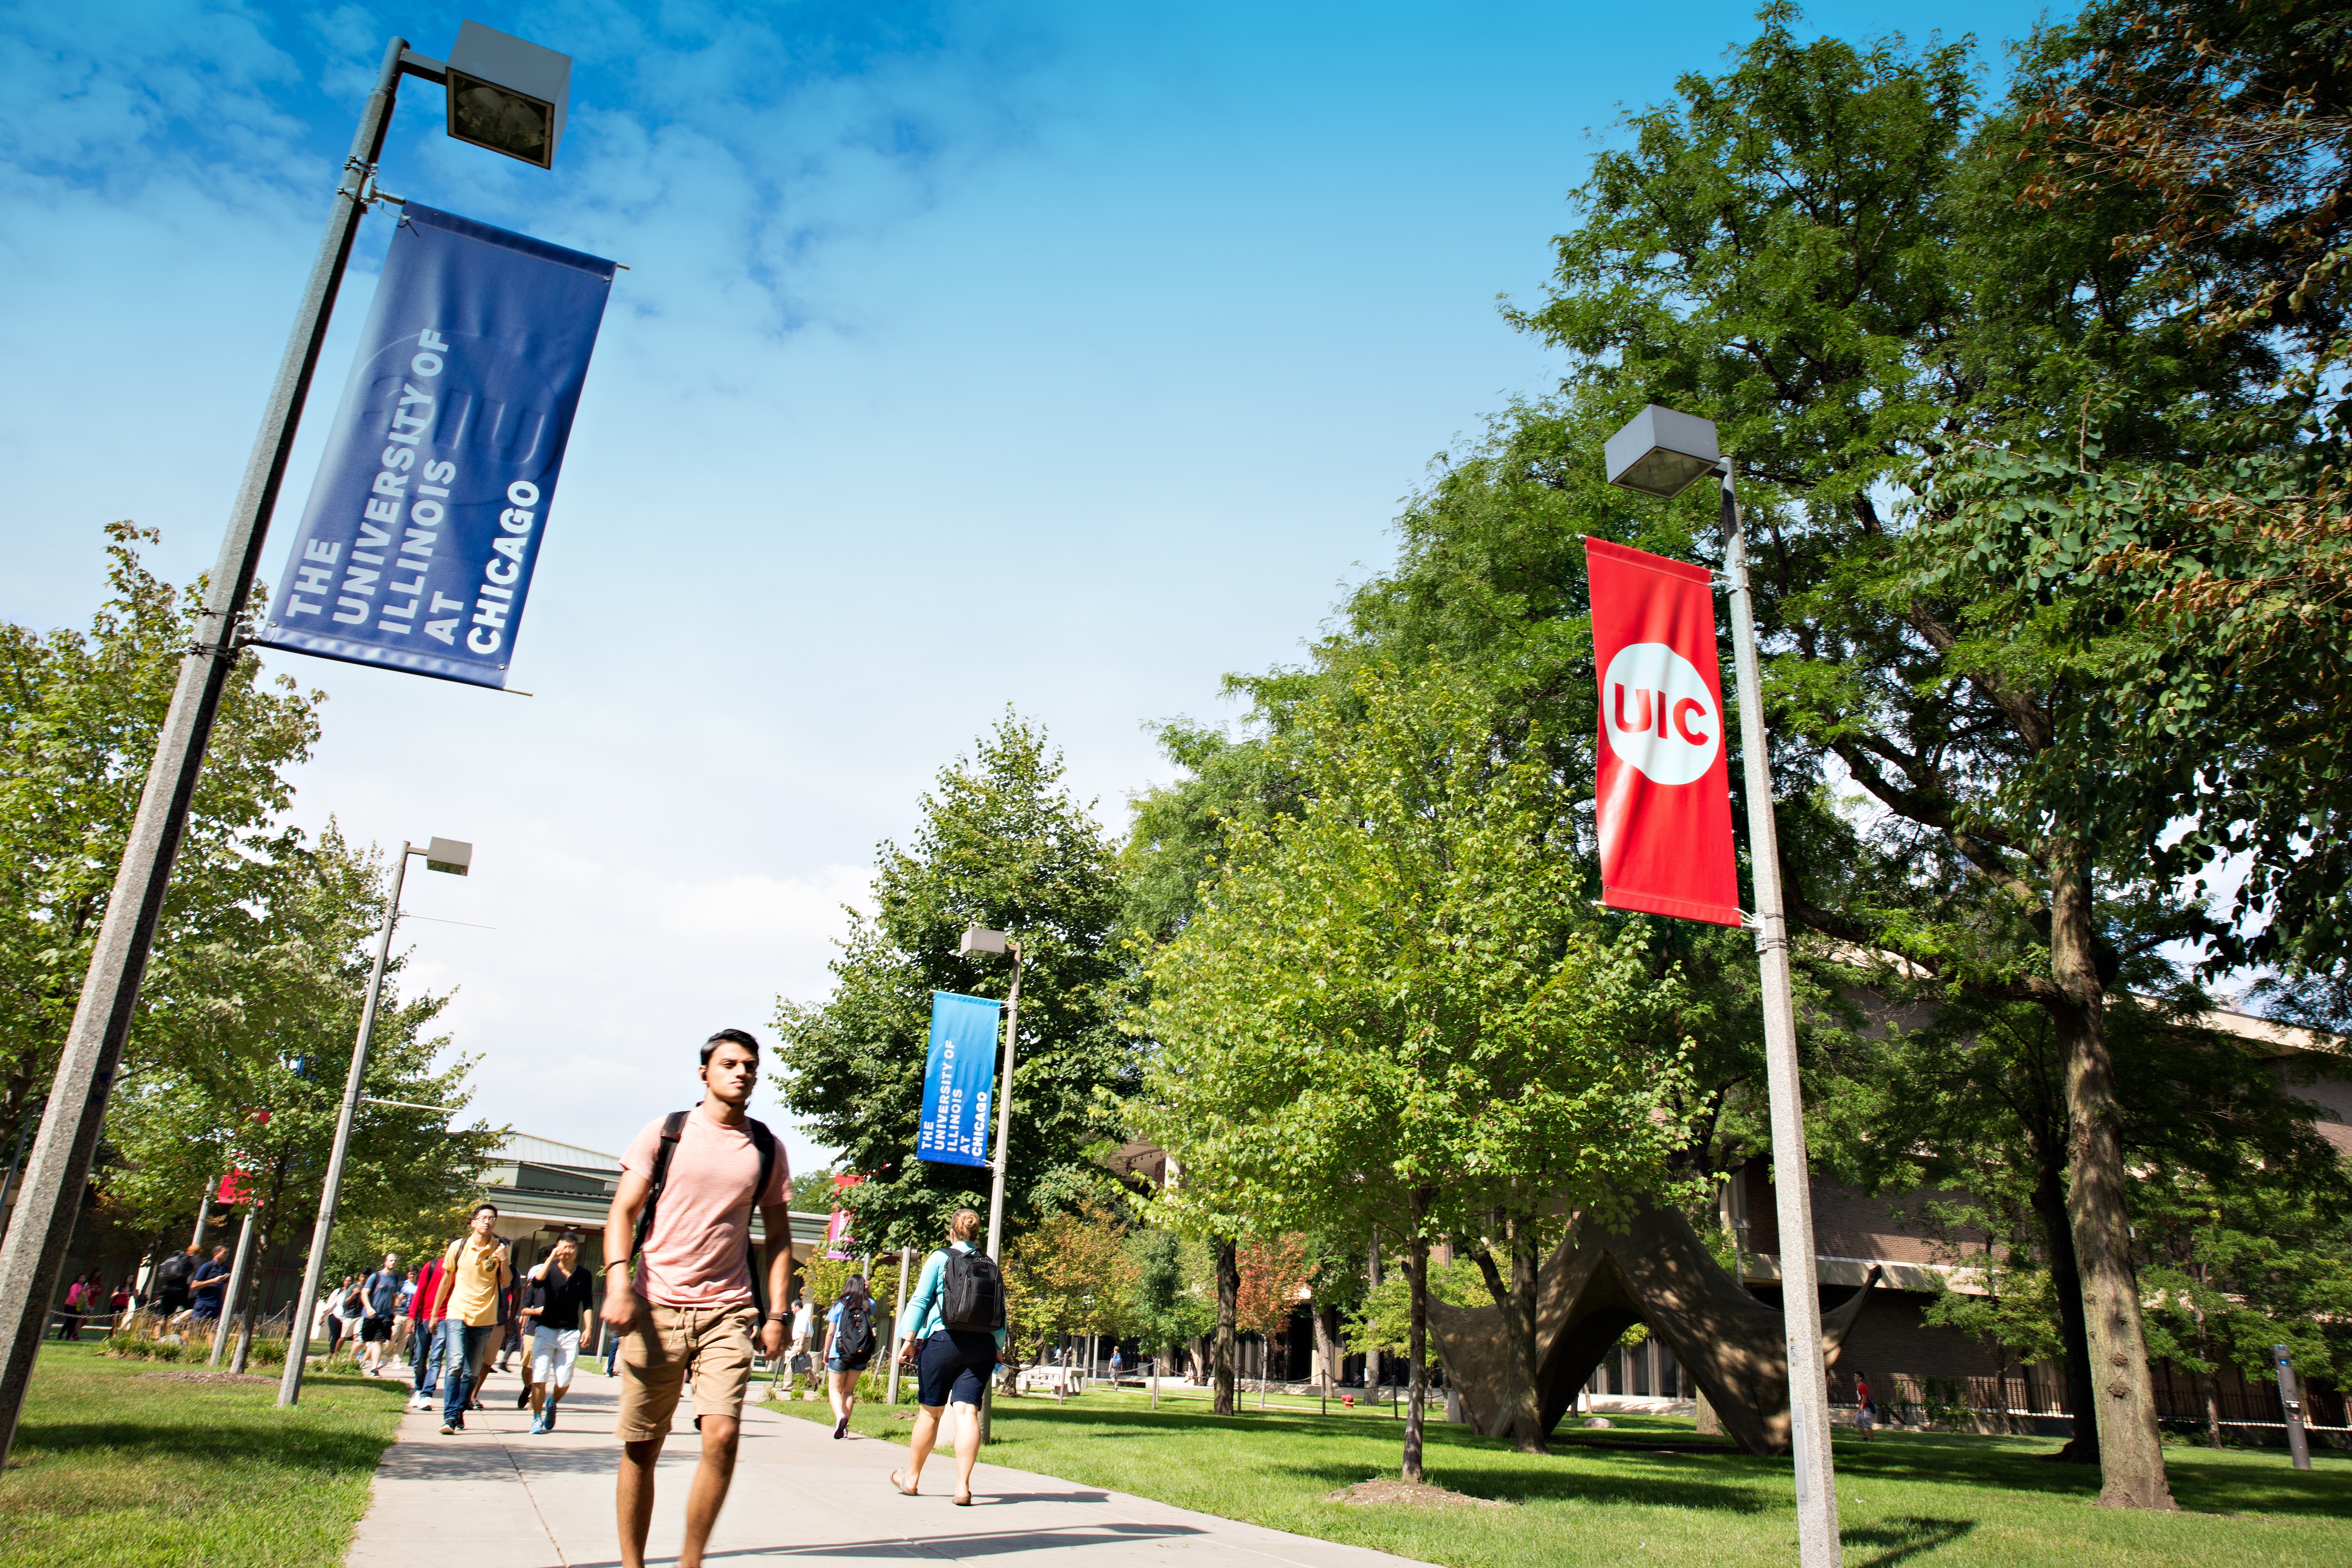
(558, 1297)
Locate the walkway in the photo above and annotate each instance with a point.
(499, 1498)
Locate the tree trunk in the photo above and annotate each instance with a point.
(2066, 1287)
(1229, 1291)
(1522, 1412)
(1417, 1341)
(2131, 1444)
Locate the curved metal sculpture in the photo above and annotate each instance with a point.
(1603, 1279)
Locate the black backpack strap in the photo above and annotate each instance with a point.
(672, 1126)
(765, 1141)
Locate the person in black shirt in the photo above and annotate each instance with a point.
(556, 1295)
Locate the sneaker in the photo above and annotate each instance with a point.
(538, 1426)
(522, 1399)
(840, 1428)
(450, 1428)
(550, 1417)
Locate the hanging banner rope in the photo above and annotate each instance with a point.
(1665, 783)
(956, 1079)
(417, 548)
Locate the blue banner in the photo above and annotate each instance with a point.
(417, 548)
(956, 1078)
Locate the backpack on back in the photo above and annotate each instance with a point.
(855, 1337)
(174, 1270)
(971, 1296)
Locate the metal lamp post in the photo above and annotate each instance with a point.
(1661, 452)
(513, 99)
(976, 941)
(454, 857)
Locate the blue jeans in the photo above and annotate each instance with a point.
(426, 1350)
(461, 1345)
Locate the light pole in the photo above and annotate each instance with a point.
(1661, 452)
(975, 941)
(507, 96)
(455, 858)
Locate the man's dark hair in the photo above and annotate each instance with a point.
(728, 1038)
(480, 1208)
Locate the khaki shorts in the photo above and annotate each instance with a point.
(710, 1344)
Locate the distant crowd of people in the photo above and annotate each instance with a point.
(686, 1301)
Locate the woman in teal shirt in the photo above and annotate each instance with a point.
(954, 1367)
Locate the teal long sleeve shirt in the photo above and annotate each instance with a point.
(924, 1307)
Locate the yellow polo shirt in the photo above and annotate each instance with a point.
(476, 1275)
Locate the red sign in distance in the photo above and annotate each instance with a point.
(1663, 787)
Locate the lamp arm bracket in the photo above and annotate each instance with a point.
(426, 66)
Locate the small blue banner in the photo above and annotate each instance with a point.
(956, 1078)
(416, 551)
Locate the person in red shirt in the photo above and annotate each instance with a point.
(427, 1335)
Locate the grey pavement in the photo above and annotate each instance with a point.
(498, 1496)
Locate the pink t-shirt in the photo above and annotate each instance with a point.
(694, 1254)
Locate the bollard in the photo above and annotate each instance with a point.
(2298, 1443)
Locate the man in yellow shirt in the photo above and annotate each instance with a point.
(474, 1271)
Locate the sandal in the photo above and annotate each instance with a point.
(902, 1491)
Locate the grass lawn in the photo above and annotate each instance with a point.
(1924, 1502)
(113, 1469)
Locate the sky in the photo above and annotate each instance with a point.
(1060, 358)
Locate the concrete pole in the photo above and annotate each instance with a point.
(2298, 1442)
(233, 1298)
(1800, 1298)
(898, 1320)
(33, 1255)
(297, 1332)
(204, 1214)
(1004, 1142)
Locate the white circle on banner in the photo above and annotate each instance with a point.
(1651, 688)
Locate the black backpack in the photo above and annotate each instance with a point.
(855, 1337)
(764, 1142)
(972, 1296)
(174, 1271)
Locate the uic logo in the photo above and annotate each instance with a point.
(1660, 715)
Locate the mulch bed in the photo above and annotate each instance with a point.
(1387, 1489)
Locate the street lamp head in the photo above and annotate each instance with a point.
(450, 855)
(975, 940)
(507, 94)
(1661, 452)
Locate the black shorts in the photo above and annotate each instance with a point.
(956, 1365)
(170, 1301)
(375, 1331)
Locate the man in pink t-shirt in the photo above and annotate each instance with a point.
(685, 1306)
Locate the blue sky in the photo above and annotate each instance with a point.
(1058, 357)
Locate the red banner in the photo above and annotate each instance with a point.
(1665, 783)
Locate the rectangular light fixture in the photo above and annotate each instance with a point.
(1660, 452)
(450, 855)
(507, 94)
(976, 940)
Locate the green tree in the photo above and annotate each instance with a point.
(1172, 1300)
(1003, 845)
(271, 1108)
(79, 716)
(1392, 1009)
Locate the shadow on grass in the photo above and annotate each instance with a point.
(1904, 1538)
(133, 1440)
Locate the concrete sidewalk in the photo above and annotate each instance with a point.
(497, 1497)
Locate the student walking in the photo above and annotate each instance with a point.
(206, 1285)
(682, 1291)
(956, 1319)
(380, 1297)
(1866, 1413)
(171, 1279)
(474, 1271)
(555, 1301)
(848, 1349)
(425, 1348)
